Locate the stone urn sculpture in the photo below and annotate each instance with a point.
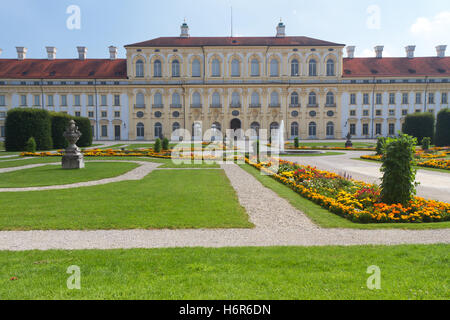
(73, 158)
(349, 143)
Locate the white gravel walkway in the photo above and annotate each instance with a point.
(277, 224)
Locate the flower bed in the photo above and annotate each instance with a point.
(427, 160)
(329, 148)
(437, 164)
(353, 200)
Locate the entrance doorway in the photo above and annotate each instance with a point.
(235, 125)
(117, 132)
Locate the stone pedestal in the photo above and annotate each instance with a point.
(73, 161)
(73, 158)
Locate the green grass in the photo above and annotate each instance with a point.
(407, 272)
(325, 218)
(416, 167)
(164, 199)
(313, 155)
(54, 175)
(140, 146)
(334, 144)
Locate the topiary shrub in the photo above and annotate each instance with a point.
(23, 123)
(165, 144)
(157, 145)
(442, 138)
(426, 143)
(60, 121)
(296, 143)
(419, 125)
(84, 125)
(381, 141)
(31, 145)
(398, 182)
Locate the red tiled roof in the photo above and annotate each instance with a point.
(397, 67)
(63, 69)
(232, 41)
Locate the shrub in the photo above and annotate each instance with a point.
(23, 123)
(381, 142)
(398, 182)
(426, 143)
(60, 121)
(419, 125)
(296, 144)
(443, 128)
(31, 145)
(157, 146)
(84, 125)
(165, 144)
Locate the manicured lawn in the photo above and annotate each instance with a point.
(163, 199)
(54, 175)
(416, 167)
(140, 146)
(407, 272)
(313, 155)
(325, 218)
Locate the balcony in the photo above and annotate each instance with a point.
(157, 105)
(139, 106)
(313, 105)
(294, 105)
(274, 105)
(196, 105)
(255, 105)
(330, 105)
(175, 105)
(215, 105)
(235, 105)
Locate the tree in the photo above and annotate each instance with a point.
(157, 145)
(443, 128)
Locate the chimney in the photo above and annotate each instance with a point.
(21, 53)
(82, 53)
(441, 51)
(1, 52)
(112, 53)
(51, 53)
(379, 51)
(410, 51)
(281, 30)
(184, 30)
(351, 52)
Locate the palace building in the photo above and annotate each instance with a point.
(229, 83)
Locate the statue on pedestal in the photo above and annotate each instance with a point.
(349, 143)
(73, 158)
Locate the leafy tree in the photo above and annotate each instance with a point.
(31, 145)
(157, 145)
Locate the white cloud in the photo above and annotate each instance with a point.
(434, 28)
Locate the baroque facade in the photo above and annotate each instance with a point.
(245, 83)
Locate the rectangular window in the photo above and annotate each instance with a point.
(77, 100)
(352, 129)
(104, 114)
(444, 98)
(2, 114)
(378, 112)
(392, 112)
(2, 100)
(378, 129)
(405, 98)
(2, 131)
(352, 113)
(90, 100)
(117, 100)
(431, 98)
(117, 114)
(91, 114)
(379, 98)
(391, 98)
(418, 98)
(104, 130)
(391, 129)
(353, 99)
(50, 100)
(365, 129)
(365, 113)
(37, 100)
(64, 100)
(23, 100)
(77, 114)
(366, 98)
(404, 112)
(104, 100)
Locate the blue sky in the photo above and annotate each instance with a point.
(393, 23)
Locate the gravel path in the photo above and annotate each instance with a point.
(277, 223)
(136, 174)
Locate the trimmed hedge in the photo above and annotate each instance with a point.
(442, 138)
(24, 123)
(419, 125)
(84, 125)
(60, 121)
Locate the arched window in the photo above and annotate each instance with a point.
(158, 130)
(235, 68)
(215, 103)
(330, 68)
(176, 101)
(175, 68)
(294, 129)
(295, 71)
(140, 130)
(255, 68)
(175, 126)
(294, 99)
(255, 100)
(235, 99)
(196, 100)
(312, 129)
(217, 126)
(196, 70)
(330, 129)
(274, 68)
(157, 100)
(274, 126)
(330, 99)
(255, 128)
(215, 72)
(312, 99)
(157, 69)
(139, 69)
(312, 68)
(140, 100)
(274, 99)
